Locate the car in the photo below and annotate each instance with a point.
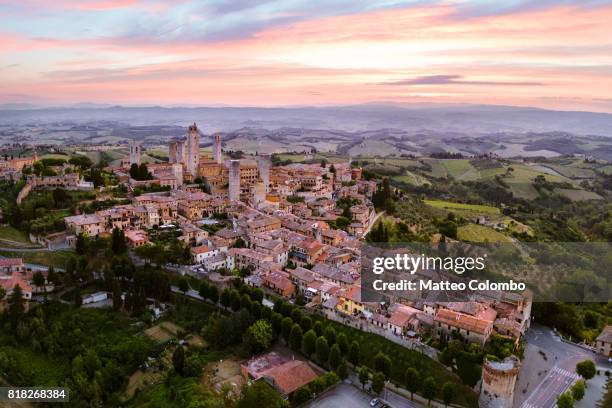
(379, 403)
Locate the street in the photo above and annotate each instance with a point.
(345, 395)
(548, 368)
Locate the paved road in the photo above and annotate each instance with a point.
(548, 368)
(342, 395)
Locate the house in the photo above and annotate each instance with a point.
(8, 283)
(136, 238)
(349, 301)
(283, 374)
(10, 265)
(471, 328)
(280, 283)
(302, 278)
(90, 225)
(399, 321)
(202, 252)
(603, 343)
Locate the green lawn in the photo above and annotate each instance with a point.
(460, 169)
(449, 205)
(13, 234)
(480, 233)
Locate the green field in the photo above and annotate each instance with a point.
(47, 258)
(460, 169)
(480, 233)
(578, 195)
(410, 178)
(475, 208)
(13, 234)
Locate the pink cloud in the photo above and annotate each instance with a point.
(526, 58)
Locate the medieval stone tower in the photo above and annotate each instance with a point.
(135, 152)
(234, 180)
(192, 154)
(498, 380)
(217, 149)
(263, 164)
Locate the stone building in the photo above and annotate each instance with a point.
(498, 380)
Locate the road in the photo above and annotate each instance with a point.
(345, 395)
(548, 368)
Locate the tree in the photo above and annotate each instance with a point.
(578, 390)
(448, 392)
(318, 328)
(213, 294)
(178, 359)
(2, 293)
(16, 308)
(259, 394)
(118, 245)
(353, 355)
(192, 366)
(565, 400)
(295, 337)
(78, 299)
(412, 380)
(204, 289)
(322, 349)
(343, 343)
(235, 300)
(378, 382)
(226, 301)
(286, 326)
(117, 301)
(335, 357)
(429, 389)
(342, 370)
(183, 285)
(363, 376)
(258, 337)
(382, 363)
(39, 281)
(81, 245)
(308, 342)
(306, 323)
(300, 396)
(586, 369)
(330, 334)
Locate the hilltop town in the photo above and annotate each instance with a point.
(287, 236)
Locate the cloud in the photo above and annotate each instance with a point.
(457, 80)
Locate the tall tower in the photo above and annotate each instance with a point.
(498, 380)
(259, 194)
(217, 148)
(172, 153)
(263, 164)
(134, 152)
(192, 159)
(234, 180)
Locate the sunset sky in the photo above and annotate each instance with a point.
(307, 52)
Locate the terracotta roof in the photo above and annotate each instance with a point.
(9, 283)
(291, 375)
(200, 249)
(463, 321)
(11, 262)
(606, 335)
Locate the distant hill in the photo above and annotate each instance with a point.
(469, 119)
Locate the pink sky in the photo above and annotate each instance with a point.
(153, 52)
